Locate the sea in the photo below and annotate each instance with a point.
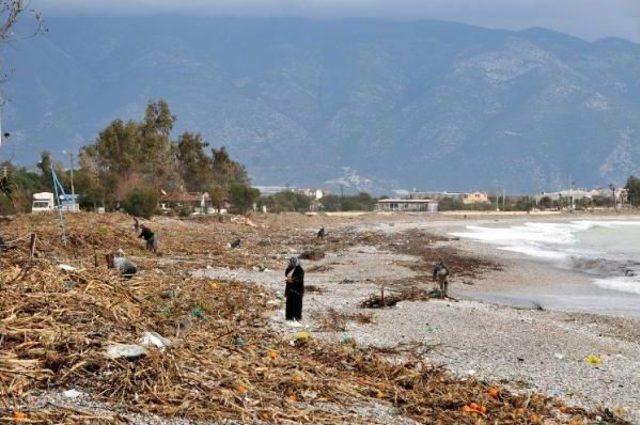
(608, 251)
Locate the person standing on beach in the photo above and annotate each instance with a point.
(294, 289)
(441, 275)
(150, 237)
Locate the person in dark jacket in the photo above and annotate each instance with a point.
(150, 237)
(321, 233)
(294, 290)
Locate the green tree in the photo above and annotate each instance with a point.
(218, 195)
(141, 201)
(227, 171)
(196, 168)
(633, 188)
(89, 183)
(243, 197)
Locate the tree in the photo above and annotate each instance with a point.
(141, 201)
(287, 201)
(227, 171)
(89, 183)
(243, 197)
(196, 168)
(218, 195)
(633, 189)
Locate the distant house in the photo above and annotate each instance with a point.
(200, 202)
(475, 198)
(407, 205)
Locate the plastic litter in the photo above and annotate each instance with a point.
(127, 351)
(154, 339)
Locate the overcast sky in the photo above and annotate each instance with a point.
(589, 19)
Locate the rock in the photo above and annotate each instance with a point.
(239, 341)
(154, 339)
(127, 351)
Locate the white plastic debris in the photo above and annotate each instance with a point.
(558, 356)
(66, 268)
(127, 351)
(154, 339)
(71, 393)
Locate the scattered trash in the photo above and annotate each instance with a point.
(154, 339)
(302, 337)
(593, 360)
(67, 268)
(69, 284)
(558, 356)
(72, 393)
(475, 408)
(127, 351)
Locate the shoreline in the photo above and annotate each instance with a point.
(479, 336)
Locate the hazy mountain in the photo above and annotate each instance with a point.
(430, 105)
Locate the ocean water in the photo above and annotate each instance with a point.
(607, 250)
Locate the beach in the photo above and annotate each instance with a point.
(520, 324)
(513, 324)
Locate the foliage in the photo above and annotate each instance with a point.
(131, 154)
(141, 201)
(218, 195)
(196, 168)
(286, 202)
(360, 202)
(633, 187)
(20, 185)
(243, 197)
(226, 171)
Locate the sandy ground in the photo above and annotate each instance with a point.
(480, 335)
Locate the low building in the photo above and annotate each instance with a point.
(475, 198)
(407, 205)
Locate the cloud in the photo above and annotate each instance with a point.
(589, 19)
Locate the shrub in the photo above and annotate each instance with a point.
(140, 201)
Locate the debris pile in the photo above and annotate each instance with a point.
(169, 344)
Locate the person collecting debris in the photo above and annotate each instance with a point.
(294, 289)
(123, 264)
(321, 233)
(441, 275)
(150, 237)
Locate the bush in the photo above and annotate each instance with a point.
(360, 202)
(286, 202)
(141, 201)
(243, 197)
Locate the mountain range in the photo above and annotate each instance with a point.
(371, 104)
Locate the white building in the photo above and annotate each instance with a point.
(407, 205)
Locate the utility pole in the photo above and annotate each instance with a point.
(73, 190)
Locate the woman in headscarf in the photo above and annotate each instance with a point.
(294, 290)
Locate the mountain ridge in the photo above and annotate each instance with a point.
(424, 104)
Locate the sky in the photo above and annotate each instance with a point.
(588, 19)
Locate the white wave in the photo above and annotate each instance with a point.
(623, 284)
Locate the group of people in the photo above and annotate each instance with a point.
(294, 286)
(294, 273)
(118, 260)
